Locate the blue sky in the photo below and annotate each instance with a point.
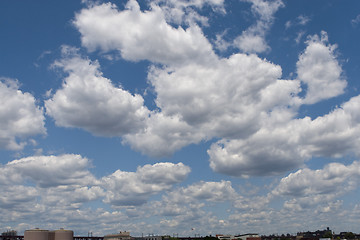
(181, 116)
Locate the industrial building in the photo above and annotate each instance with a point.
(40, 234)
(118, 236)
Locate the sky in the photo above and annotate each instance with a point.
(180, 117)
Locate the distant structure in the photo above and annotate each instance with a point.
(40, 234)
(248, 236)
(119, 236)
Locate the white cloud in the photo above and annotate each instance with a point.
(303, 20)
(134, 188)
(281, 146)
(318, 68)
(141, 35)
(183, 11)
(51, 184)
(90, 101)
(253, 40)
(203, 191)
(20, 117)
(268, 152)
(309, 187)
(163, 136)
(52, 171)
(356, 20)
(335, 134)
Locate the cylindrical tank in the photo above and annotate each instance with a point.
(63, 234)
(51, 235)
(36, 234)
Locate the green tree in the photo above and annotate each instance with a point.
(349, 235)
(328, 234)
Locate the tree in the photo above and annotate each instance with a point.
(328, 234)
(349, 235)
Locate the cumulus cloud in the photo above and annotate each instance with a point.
(134, 188)
(319, 70)
(162, 136)
(240, 100)
(139, 35)
(20, 117)
(182, 11)
(253, 40)
(56, 189)
(283, 142)
(208, 191)
(310, 187)
(37, 184)
(52, 171)
(282, 147)
(90, 101)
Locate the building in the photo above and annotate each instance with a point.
(41, 234)
(118, 236)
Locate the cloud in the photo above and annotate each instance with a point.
(134, 188)
(52, 184)
(309, 187)
(240, 100)
(204, 191)
(52, 171)
(183, 11)
(20, 117)
(268, 152)
(303, 20)
(90, 101)
(140, 35)
(284, 143)
(356, 20)
(253, 40)
(282, 147)
(319, 70)
(162, 136)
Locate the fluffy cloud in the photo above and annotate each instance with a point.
(240, 100)
(134, 188)
(310, 187)
(253, 40)
(20, 117)
(276, 148)
(141, 35)
(163, 136)
(208, 191)
(57, 188)
(90, 101)
(51, 184)
(320, 71)
(52, 171)
(216, 97)
(182, 11)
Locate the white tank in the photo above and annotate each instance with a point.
(36, 234)
(63, 234)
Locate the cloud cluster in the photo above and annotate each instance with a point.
(140, 35)
(20, 117)
(134, 188)
(241, 100)
(60, 186)
(64, 199)
(308, 187)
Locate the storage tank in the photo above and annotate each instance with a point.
(36, 234)
(63, 234)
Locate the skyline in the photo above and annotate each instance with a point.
(180, 116)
